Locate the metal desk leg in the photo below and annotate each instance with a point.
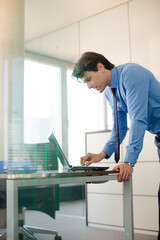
(12, 211)
(128, 210)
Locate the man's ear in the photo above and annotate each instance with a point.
(100, 67)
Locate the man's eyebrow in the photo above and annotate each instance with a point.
(87, 79)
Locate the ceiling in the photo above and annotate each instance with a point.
(46, 16)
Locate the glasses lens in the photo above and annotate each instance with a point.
(80, 80)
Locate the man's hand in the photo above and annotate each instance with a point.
(125, 171)
(92, 158)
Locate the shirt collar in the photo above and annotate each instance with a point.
(114, 78)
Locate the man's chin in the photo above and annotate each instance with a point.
(100, 90)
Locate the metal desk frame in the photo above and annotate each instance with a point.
(15, 181)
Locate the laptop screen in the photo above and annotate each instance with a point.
(59, 151)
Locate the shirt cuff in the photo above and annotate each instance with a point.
(131, 158)
(108, 150)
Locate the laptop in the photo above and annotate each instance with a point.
(65, 162)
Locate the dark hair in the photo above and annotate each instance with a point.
(88, 62)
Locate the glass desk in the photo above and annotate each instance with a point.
(48, 178)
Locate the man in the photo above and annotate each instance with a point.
(138, 94)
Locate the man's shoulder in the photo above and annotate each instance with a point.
(128, 66)
(132, 70)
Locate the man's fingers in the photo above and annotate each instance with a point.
(89, 162)
(85, 160)
(116, 168)
(124, 173)
(123, 176)
(82, 160)
(90, 158)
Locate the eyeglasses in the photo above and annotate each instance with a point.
(87, 79)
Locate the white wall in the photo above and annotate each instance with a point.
(124, 31)
(128, 32)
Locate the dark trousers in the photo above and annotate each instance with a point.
(157, 143)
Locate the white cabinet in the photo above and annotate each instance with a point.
(146, 178)
(105, 201)
(145, 212)
(104, 208)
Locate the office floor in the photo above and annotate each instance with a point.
(70, 223)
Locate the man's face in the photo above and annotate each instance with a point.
(94, 80)
(97, 80)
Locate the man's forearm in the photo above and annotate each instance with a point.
(103, 155)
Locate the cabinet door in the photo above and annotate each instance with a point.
(105, 209)
(145, 213)
(146, 178)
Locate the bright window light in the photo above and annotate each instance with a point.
(85, 114)
(41, 101)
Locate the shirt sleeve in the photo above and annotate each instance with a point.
(136, 84)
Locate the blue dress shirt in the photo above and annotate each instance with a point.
(138, 94)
